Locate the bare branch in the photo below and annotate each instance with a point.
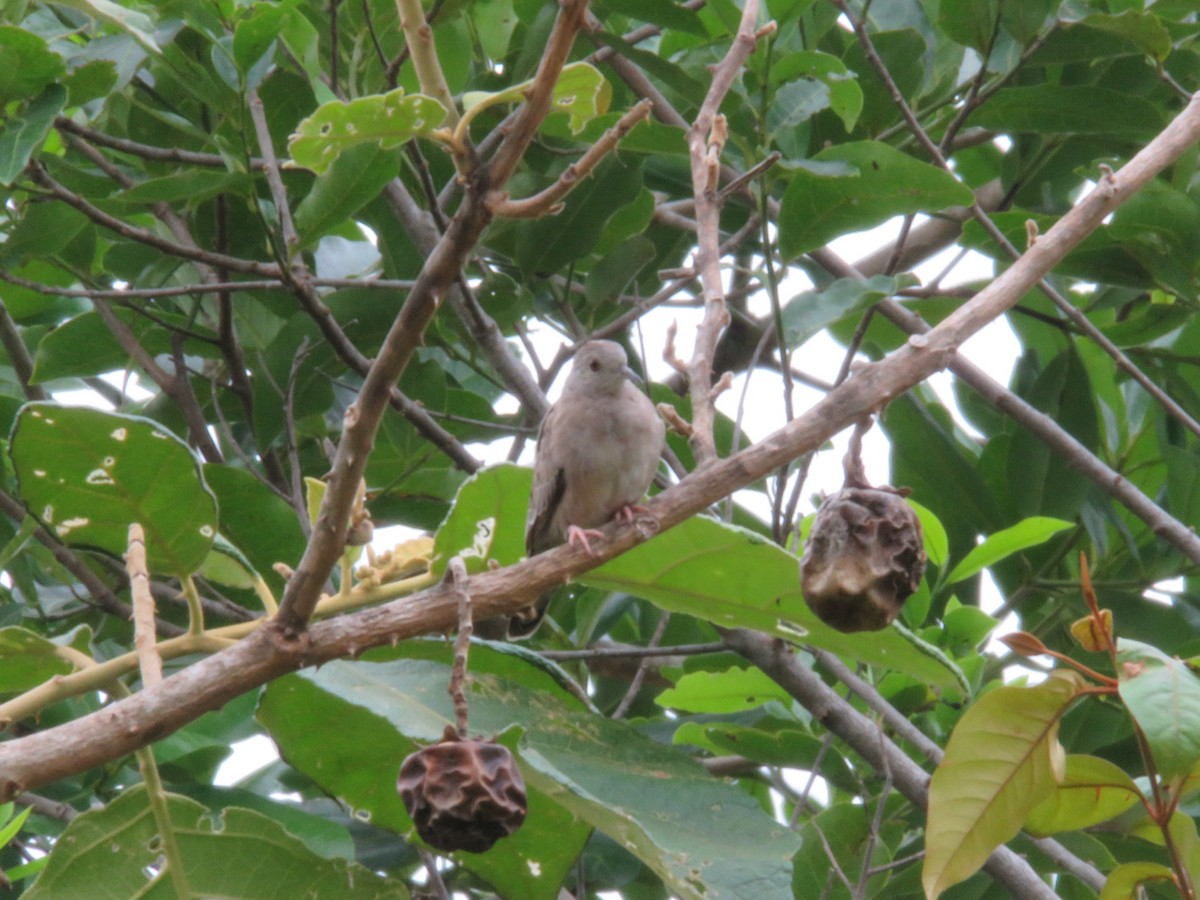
(545, 202)
(706, 140)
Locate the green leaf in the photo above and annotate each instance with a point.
(90, 81)
(27, 64)
(885, 183)
(1122, 882)
(13, 827)
(486, 520)
(550, 243)
(136, 24)
(937, 545)
(257, 521)
(722, 692)
(1002, 760)
(703, 837)
(1144, 30)
(27, 660)
(1093, 790)
(736, 578)
(1003, 544)
(834, 84)
(811, 312)
(971, 23)
(1025, 20)
(83, 345)
(354, 180)
(234, 853)
(388, 120)
(192, 185)
(87, 475)
(581, 92)
(23, 135)
(1163, 696)
(256, 32)
(1069, 109)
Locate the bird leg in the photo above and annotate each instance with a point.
(629, 512)
(578, 537)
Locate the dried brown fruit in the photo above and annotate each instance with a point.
(864, 557)
(463, 794)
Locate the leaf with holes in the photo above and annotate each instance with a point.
(87, 475)
(581, 92)
(388, 119)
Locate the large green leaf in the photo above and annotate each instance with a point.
(257, 521)
(705, 838)
(811, 311)
(87, 475)
(995, 547)
(548, 244)
(233, 853)
(353, 180)
(1163, 695)
(738, 579)
(867, 184)
(1069, 109)
(350, 728)
(486, 521)
(27, 64)
(1002, 760)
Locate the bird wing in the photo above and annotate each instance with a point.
(549, 487)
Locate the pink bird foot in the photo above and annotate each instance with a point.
(629, 512)
(578, 537)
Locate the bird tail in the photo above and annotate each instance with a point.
(525, 621)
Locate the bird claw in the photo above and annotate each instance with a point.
(629, 512)
(578, 537)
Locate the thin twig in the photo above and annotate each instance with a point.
(706, 140)
(456, 570)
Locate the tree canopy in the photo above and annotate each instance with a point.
(275, 276)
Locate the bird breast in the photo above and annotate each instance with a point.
(611, 457)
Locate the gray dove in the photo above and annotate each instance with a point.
(597, 452)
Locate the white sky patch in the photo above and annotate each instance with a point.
(246, 758)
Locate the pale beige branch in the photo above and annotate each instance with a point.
(145, 641)
(706, 140)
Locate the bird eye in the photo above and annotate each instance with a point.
(594, 365)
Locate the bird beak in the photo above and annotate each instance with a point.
(633, 376)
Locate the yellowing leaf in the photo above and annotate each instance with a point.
(1093, 637)
(1093, 790)
(1002, 759)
